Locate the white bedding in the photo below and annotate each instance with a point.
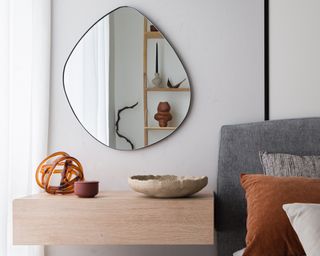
(304, 218)
(239, 253)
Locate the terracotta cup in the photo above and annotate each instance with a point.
(86, 188)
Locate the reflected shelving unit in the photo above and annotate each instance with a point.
(160, 128)
(151, 34)
(154, 89)
(146, 90)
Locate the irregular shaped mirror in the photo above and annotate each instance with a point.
(125, 83)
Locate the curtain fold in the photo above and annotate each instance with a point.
(24, 106)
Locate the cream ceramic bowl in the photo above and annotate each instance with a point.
(166, 186)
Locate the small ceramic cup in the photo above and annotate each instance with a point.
(86, 188)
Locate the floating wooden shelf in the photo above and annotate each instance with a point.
(154, 89)
(160, 128)
(124, 218)
(151, 35)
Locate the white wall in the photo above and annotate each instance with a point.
(294, 58)
(221, 45)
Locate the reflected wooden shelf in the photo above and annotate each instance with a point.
(154, 89)
(147, 129)
(119, 217)
(151, 35)
(160, 128)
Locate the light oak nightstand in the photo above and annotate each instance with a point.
(124, 218)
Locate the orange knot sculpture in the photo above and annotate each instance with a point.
(68, 167)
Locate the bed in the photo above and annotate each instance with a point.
(239, 147)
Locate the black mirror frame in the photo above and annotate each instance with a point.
(178, 56)
(266, 61)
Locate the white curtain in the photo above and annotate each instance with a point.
(24, 106)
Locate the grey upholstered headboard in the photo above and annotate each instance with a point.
(239, 147)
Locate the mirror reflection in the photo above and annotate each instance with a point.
(125, 83)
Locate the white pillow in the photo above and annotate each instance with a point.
(238, 253)
(305, 220)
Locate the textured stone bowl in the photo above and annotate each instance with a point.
(166, 186)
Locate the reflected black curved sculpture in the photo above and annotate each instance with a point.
(117, 124)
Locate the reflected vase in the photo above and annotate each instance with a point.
(163, 115)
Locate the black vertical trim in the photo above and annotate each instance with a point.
(266, 60)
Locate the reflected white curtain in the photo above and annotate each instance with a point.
(24, 106)
(87, 80)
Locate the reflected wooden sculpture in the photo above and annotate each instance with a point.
(170, 85)
(153, 28)
(163, 116)
(69, 168)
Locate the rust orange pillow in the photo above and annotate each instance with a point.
(269, 231)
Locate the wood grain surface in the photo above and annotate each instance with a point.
(124, 218)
